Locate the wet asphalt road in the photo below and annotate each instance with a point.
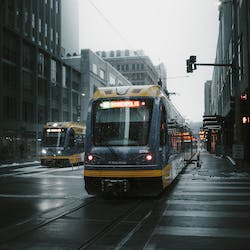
(47, 208)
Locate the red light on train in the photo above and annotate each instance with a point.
(243, 97)
(246, 119)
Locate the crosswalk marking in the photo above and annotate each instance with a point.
(197, 199)
(203, 231)
(197, 193)
(42, 171)
(195, 213)
(212, 203)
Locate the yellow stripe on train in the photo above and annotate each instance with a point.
(127, 173)
(72, 158)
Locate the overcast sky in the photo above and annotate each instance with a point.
(168, 31)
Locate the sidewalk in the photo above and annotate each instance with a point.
(213, 165)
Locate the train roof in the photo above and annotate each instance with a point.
(140, 90)
(137, 90)
(64, 125)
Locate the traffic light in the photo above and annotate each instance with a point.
(191, 64)
(192, 59)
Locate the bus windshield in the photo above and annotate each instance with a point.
(122, 122)
(54, 137)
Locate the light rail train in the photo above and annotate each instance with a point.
(62, 144)
(136, 141)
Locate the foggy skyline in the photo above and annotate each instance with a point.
(168, 31)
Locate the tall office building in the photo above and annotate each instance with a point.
(36, 85)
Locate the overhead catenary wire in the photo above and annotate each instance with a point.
(118, 32)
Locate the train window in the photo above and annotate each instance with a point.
(71, 138)
(122, 122)
(163, 127)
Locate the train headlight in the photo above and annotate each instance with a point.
(149, 157)
(90, 157)
(44, 151)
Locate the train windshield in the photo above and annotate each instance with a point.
(122, 122)
(54, 137)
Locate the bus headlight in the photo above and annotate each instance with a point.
(44, 151)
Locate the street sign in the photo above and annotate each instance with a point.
(238, 151)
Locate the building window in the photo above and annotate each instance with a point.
(103, 54)
(41, 114)
(10, 75)
(33, 20)
(53, 71)
(57, 38)
(112, 53)
(118, 53)
(28, 113)
(45, 30)
(126, 52)
(55, 115)
(41, 64)
(102, 73)
(65, 116)
(57, 7)
(42, 86)
(94, 68)
(64, 77)
(75, 99)
(28, 57)
(39, 25)
(28, 85)
(111, 79)
(9, 107)
(51, 34)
